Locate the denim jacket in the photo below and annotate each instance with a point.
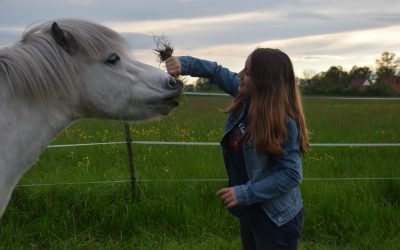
(273, 179)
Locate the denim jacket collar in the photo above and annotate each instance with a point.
(233, 119)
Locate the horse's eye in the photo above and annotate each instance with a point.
(113, 59)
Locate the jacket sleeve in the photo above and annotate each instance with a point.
(226, 80)
(287, 173)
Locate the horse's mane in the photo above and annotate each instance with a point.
(38, 67)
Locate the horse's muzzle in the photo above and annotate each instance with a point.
(176, 86)
(174, 83)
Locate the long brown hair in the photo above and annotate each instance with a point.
(274, 95)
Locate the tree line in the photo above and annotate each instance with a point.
(359, 81)
(337, 81)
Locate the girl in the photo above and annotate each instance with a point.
(264, 138)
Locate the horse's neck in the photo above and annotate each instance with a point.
(26, 129)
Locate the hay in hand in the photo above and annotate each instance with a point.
(164, 48)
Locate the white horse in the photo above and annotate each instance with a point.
(62, 71)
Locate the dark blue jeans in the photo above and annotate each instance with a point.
(257, 231)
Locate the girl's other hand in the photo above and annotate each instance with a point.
(227, 197)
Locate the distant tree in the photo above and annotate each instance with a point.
(379, 90)
(305, 81)
(314, 86)
(360, 72)
(308, 74)
(386, 65)
(203, 84)
(336, 76)
(335, 80)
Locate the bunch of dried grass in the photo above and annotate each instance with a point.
(164, 48)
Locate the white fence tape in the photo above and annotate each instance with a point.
(307, 97)
(201, 180)
(120, 181)
(217, 144)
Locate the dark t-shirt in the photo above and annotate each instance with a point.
(237, 174)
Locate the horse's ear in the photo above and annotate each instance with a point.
(63, 38)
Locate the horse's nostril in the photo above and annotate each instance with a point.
(174, 83)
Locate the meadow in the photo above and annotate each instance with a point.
(173, 203)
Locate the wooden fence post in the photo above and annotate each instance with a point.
(130, 155)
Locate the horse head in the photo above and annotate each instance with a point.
(111, 83)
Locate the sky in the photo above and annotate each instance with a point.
(315, 34)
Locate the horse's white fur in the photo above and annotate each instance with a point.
(43, 89)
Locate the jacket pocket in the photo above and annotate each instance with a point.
(281, 203)
(286, 203)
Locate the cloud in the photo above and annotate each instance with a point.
(307, 15)
(317, 52)
(172, 26)
(79, 2)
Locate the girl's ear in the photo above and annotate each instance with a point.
(63, 39)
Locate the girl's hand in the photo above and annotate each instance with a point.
(173, 66)
(227, 197)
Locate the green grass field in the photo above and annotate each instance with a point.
(171, 208)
